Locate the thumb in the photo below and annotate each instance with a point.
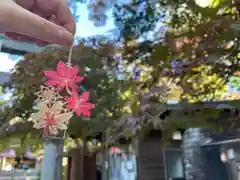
(22, 21)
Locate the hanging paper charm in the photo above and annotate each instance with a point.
(54, 110)
(64, 78)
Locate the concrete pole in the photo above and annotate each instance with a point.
(58, 171)
(49, 161)
(4, 77)
(52, 160)
(105, 159)
(1, 43)
(193, 156)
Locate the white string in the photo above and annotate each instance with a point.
(68, 90)
(70, 56)
(69, 64)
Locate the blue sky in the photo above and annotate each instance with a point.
(86, 28)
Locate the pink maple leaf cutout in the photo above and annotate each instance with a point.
(64, 78)
(79, 103)
(49, 122)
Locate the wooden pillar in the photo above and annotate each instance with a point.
(90, 167)
(150, 161)
(81, 169)
(75, 165)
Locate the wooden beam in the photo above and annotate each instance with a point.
(228, 141)
(13, 51)
(20, 46)
(223, 104)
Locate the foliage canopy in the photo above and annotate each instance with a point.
(165, 50)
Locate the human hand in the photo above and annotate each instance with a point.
(39, 21)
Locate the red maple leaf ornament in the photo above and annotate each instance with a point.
(80, 103)
(64, 78)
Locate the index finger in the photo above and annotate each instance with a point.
(32, 25)
(65, 18)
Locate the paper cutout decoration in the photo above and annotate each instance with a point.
(51, 119)
(54, 111)
(64, 78)
(79, 103)
(47, 94)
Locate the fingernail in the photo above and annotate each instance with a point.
(53, 18)
(11, 38)
(65, 37)
(60, 32)
(20, 38)
(71, 28)
(40, 43)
